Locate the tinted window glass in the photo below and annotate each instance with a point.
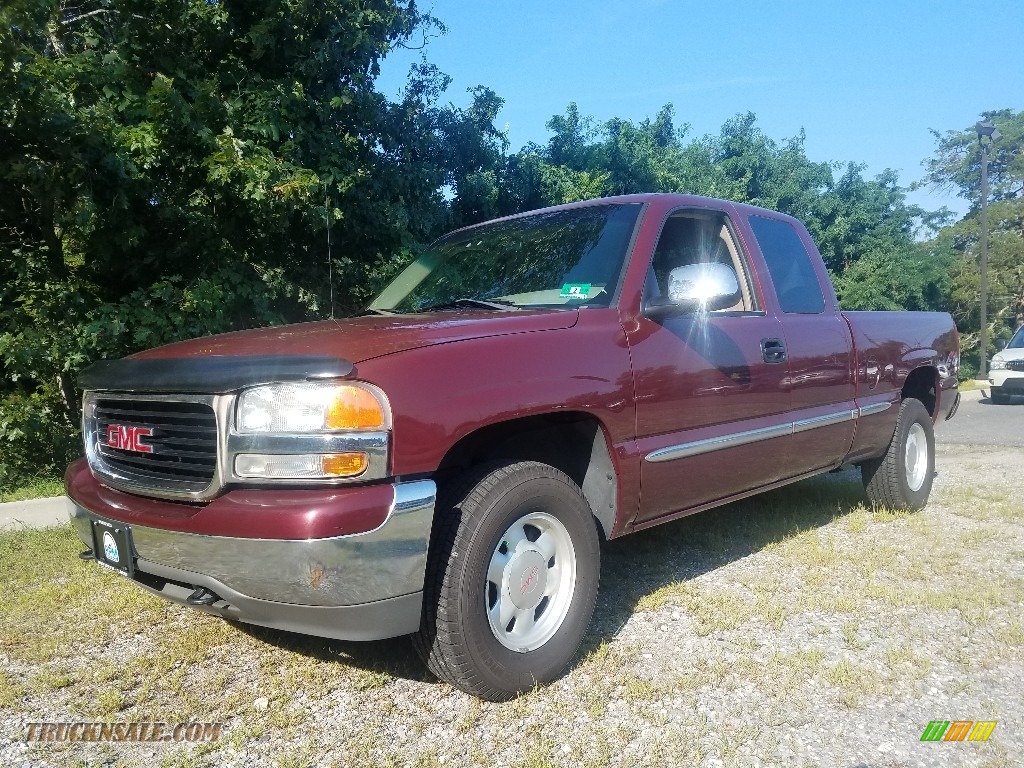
(567, 258)
(796, 283)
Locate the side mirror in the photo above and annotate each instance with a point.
(1001, 343)
(697, 288)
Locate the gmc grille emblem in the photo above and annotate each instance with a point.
(127, 438)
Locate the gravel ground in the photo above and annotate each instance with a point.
(797, 628)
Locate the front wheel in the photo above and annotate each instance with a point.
(902, 477)
(511, 580)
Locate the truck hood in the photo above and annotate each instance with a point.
(362, 338)
(1008, 354)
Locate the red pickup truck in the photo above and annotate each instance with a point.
(447, 464)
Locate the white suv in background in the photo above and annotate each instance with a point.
(1006, 374)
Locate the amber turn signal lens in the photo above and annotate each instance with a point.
(354, 408)
(345, 464)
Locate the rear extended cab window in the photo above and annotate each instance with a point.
(789, 264)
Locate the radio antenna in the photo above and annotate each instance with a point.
(330, 261)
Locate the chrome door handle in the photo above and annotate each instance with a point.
(773, 350)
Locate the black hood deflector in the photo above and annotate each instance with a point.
(213, 374)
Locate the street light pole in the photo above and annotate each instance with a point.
(984, 129)
(983, 333)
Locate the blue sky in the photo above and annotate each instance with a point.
(864, 79)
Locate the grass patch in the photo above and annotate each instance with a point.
(986, 504)
(970, 385)
(11, 691)
(54, 603)
(713, 637)
(905, 662)
(53, 678)
(855, 682)
(641, 689)
(852, 636)
(36, 488)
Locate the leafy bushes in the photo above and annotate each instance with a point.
(51, 334)
(170, 170)
(37, 435)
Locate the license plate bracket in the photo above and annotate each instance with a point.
(112, 545)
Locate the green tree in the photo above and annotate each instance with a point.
(956, 167)
(170, 168)
(474, 156)
(850, 217)
(956, 164)
(914, 278)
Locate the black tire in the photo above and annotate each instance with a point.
(888, 480)
(999, 397)
(471, 527)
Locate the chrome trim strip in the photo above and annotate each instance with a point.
(867, 410)
(413, 496)
(276, 442)
(373, 444)
(718, 443)
(342, 570)
(710, 444)
(823, 421)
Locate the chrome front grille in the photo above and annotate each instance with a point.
(1015, 365)
(161, 444)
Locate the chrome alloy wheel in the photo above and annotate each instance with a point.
(530, 582)
(916, 457)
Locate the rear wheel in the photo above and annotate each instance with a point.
(511, 580)
(902, 477)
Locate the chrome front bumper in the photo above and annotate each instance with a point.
(361, 586)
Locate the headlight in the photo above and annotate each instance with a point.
(997, 364)
(309, 407)
(311, 431)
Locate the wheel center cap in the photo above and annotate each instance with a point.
(528, 577)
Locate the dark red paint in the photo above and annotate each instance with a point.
(361, 338)
(255, 514)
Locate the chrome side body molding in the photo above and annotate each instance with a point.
(710, 444)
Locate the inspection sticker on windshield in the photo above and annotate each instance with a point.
(575, 291)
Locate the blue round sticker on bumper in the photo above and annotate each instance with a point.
(110, 548)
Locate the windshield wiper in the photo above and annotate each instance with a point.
(373, 311)
(474, 303)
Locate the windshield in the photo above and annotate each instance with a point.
(1017, 342)
(567, 258)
